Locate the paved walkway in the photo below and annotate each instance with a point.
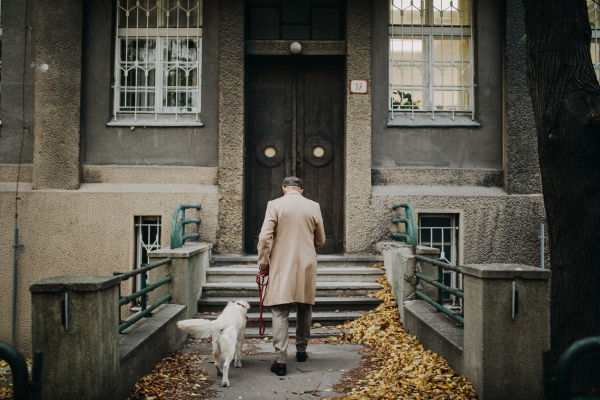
(254, 381)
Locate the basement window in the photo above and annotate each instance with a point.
(441, 232)
(158, 53)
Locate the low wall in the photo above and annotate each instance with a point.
(500, 354)
(75, 322)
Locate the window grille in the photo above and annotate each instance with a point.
(431, 57)
(594, 16)
(147, 238)
(440, 231)
(158, 58)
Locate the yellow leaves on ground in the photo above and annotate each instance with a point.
(402, 367)
(6, 384)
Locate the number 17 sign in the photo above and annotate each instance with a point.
(359, 86)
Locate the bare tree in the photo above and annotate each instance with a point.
(566, 104)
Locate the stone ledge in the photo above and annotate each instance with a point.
(186, 251)
(144, 330)
(75, 283)
(505, 271)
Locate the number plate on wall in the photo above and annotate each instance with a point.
(358, 86)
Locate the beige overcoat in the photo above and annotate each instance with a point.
(291, 233)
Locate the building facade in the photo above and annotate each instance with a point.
(117, 111)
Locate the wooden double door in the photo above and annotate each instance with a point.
(295, 127)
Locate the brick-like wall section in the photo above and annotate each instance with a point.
(521, 152)
(231, 126)
(57, 94)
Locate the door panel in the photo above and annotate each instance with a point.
(295, 107)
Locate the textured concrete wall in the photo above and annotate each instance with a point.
(437, 177)
(103, 145)
(442, 147)
(357, 190)
(142, 174)
(57, 94)
(231, 126)
(89, 231)
(9, 172)
(494, 226)
(522, 161)
(18, 56)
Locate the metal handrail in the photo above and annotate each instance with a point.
(22, 386)
(410, 221)
(441, 288)
(144, 289)
(180, 228)
(177, 238)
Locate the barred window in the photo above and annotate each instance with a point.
(594, 16)
(431, 58)
(158, 59)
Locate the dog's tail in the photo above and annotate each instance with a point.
(201, 328)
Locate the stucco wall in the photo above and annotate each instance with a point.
(494, 227)
(18, 47)
(89, 231)
(357, 188)
(103, 145)
(471, 148)
(231, 126)
(522, 161)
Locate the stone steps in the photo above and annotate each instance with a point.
(250, 289)
(322, 318)
(243, 274)
(322, 261)
(359, 303)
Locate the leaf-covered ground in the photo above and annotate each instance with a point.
(399, 366)
(178, 376)
(6, 385)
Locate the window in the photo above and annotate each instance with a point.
(431, 59)
(295, 19)
(147, 238)
(158, 61)
(441, 231)
(594, 17)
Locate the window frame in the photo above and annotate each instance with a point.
(430, 32)
(161, 35)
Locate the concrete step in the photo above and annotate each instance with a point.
(315, 333)
(359, 303)
(250, 289)
(324, 274)
(323, 318)
(322, 261)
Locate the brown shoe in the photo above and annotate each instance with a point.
(278, 369)
(301, 356)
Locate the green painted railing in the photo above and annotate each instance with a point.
(177, 228)
(441, 288)
(410, 222)
(144, 289)
(23, 387)
(558, 386)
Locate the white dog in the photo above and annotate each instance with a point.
(227, 333)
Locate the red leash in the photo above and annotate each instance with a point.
(262, 279)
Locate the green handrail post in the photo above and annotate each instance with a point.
(22, 386)
(564, 366)
(175, 229)
(181, 229)
(144, 298)
(441, 308)
(142, 314)
(410, 221)
(440, 280)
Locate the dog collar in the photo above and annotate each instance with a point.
(239, 304)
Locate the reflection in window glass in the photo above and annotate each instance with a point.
(594, 16)
(431, 56)
(159, 57)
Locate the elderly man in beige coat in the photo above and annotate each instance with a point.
(291, 233)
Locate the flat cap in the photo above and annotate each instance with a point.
(292, 181)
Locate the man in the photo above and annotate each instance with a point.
(291, 232)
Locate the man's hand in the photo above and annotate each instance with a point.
(264, 267)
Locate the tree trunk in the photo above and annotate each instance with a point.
(566, 106)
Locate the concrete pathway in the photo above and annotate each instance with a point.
(254, 381)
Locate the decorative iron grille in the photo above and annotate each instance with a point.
(147, 238)
(431, 57)
(158, 57)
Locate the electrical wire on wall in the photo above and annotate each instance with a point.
(25, 131)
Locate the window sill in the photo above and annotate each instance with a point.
(425, 121)
(165, 121)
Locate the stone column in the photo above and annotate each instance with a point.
(57, 94)
(231, 127)
(502, 355)
(188, 270)
(81, 362)
(357, 190)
